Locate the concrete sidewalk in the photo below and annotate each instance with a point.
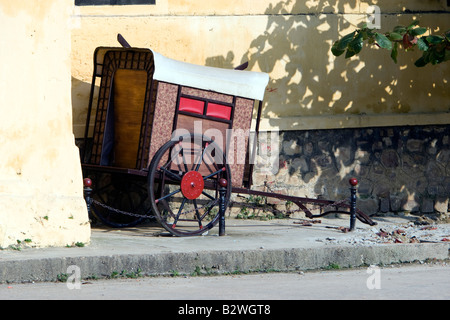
(249, 245)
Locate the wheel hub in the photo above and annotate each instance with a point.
(192, 185)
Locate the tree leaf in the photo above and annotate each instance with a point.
(345, 41)
(356, 44)
(435, 39)
(350, 53)
(447, 55)
(394, 52)
(420, 62)
(400, 29)
(435, 57)
(383, 41)
(413, 24)
(422, 44)
(424, 60)
(395, 36)
(334, 49)
(418, 31)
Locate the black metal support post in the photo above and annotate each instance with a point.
(87, 193)
(222, 201)
(353, 183)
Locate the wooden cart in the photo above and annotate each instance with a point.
(161, 137)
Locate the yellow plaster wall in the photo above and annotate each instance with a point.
(291, 40)
(41, 192)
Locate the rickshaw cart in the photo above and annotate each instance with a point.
(163, 133)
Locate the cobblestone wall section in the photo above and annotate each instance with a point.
(399, 169)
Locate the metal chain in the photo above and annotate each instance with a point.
(210, 204)
(120, 211)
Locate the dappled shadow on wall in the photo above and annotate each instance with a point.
(307, 80)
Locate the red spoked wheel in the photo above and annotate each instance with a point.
(184, 184)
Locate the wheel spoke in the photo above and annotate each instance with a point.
(211, 159)
(202, 155)
(209, 196)
(179, 213)
(167, 207)
(184, 160)
(214, 173)
(171, 174)
(172, 157)
(208, 210)
(197, 214)
(168, 195)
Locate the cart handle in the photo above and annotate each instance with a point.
(242, 66)
(122, 41)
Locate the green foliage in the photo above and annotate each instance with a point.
(435, 48)
(253, 205)
(62, 277)
(126, 274)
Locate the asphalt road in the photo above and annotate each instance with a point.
(398, 282)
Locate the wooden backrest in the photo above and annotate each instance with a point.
(129, 97)
(125, 108)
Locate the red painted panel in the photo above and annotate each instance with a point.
(191, 105)
(219, 111)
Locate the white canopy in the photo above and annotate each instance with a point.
(241, 83)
